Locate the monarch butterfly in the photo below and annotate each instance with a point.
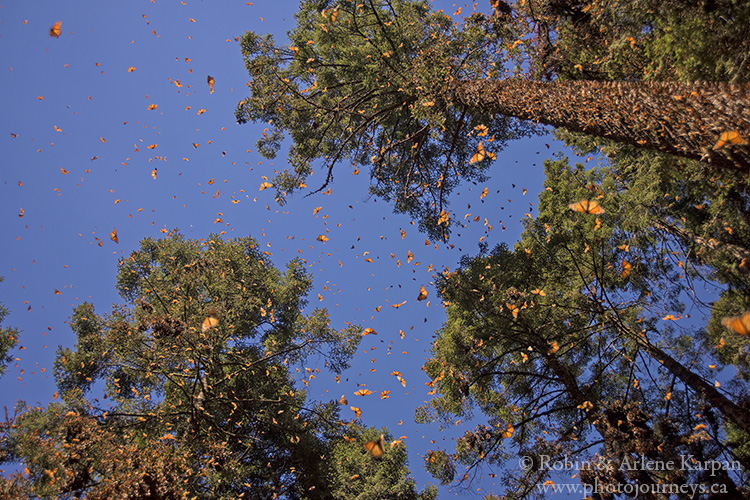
(513, 309)
(211, 320)
(481, 154)
(626, 268)
(113, 236)
(738, 324)
(731, 137)
(377, 448)
(587, 207)
(55, 30)
(508, 431)
(422, 294)
(553, 348)
(210, 81)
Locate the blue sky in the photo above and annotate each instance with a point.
(76, 130)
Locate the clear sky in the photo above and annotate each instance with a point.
(76, 134)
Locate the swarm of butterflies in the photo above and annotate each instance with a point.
(737, 324)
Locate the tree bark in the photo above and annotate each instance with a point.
(740, 417)
(681, 119)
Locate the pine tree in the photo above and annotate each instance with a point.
(189, 388)
(393, 87)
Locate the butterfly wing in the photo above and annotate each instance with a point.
(730, 137)
(211, 320)
(478, 156)
(587, 207)
(594, 208)
(377, 448)
(739, 325)
(55, 29)
(578, 206)
(626, 268)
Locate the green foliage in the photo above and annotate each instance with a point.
(552, 338)
(65, 452)
(8, 340)
(621, 40)
(731, 349)
(370, 83)
(188, 388)
(356, 474)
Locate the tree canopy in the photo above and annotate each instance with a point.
(8, 339)
(188, 389)
(425, 103)
(575, 330)
(616, 330)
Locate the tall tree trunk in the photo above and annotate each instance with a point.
(681, 119)
(706, 391)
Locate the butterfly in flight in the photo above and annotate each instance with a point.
(481, 154)
(731, 137)
(587, 207)
(55, 29)
(377, 448)
(738, 324)
(211, 320)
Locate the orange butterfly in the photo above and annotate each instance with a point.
(738, 324)
(508, 431)
(587, 207)
(377, 448)
(626, 268)
(513, 309)
(481, 154)
(554, 347)
(422, 294)
(731, 137)
(210, 80)
(211, 320)
(113, 236)
(55, 30)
